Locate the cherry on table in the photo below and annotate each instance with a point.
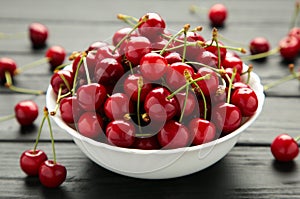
(56, 56)
(259, 45)
(38, 34)
(52, 174)
(289, 48)
(26, 111)
(31, 160)
(217, 14)
(7, 64)
(284, 148)
(62, 80)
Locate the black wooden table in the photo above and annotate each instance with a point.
(248, 171)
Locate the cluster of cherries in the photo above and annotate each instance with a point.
(151, 89)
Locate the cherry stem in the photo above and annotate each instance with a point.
(127, 19)
(76, 75)
(185, 28)
(32, 65)
(40, 130)
(295, 15)
(282, 80)
(12, 35)
(144, 19)
(184, 104)
(223, 38)
(261, 55)
(162, 51)
(230, 80)
(215, 39)
(140, 85)
(51, 134)
(7, 117)
(207, 76)
(9, 85)
(297, 138)
(204, 65)
(86, 71)
(190, 79)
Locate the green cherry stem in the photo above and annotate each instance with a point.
(144, 19)
(32, 65)
(207, 76)
(51, 135)
(282, 80)
(12, 35)
(40, 129)
(128, 19)
(230, 80)
(7, 117)
(261, 55)
(295, 15)
(87, 73)
(10, 86)
(76, 75)
(184, 103)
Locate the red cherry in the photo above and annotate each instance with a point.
(96, 45)
(259, 45)
(246, 100)
(295, 31)
(7, 64)
(70, 109)
(229, 72)
(173, 135)
(108, 71)
(120, 133)
(175, 74)
(62, 79)
(147, 143)
(52, 174)
(158, 106)
(153, 66)
(26, 112)
(107, 51)
(202, 131)
(190, 103)
(136, 48)
(119, 35)
(207, 58)
(31, 160)
(227, 117)
(117, 106)
(38, 34)
(131, 87)
(153, 27)
(91, 96)
(217, 14)
(289, 48)
(233, 62)
(56, 56)
(284, 148)
(90, 124)
(173, 57)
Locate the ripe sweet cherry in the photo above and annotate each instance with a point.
(284, 148)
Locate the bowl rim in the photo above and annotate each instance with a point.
(75, 134)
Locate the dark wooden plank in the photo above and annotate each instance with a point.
(243, 173)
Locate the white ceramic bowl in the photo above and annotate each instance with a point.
(158, 164)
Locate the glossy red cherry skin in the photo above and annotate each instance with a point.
(56, 56)
(7, 64)
(26, 112)
(173, 135)
(107, 51)
(91, 96)
(227, 117)
(173, 57)
(153, 66)
(202, 131)
(38, 34)
(52, 174)
(96, 45)
(108, 71)
(117, 106)
(58, 81)
(131, 87)
(158, 107)
(213, 49)
(70, 109)
(207, 58)
(30, 161)
(284, 148)
(120, 133)
(217, 14)
(259, 45)
(136, 48)
(246, 100)
(295, 31)
(289, 48)
(153, 27)
(90, 124)
(190, 103)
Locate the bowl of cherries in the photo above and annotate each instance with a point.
(153, 104)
